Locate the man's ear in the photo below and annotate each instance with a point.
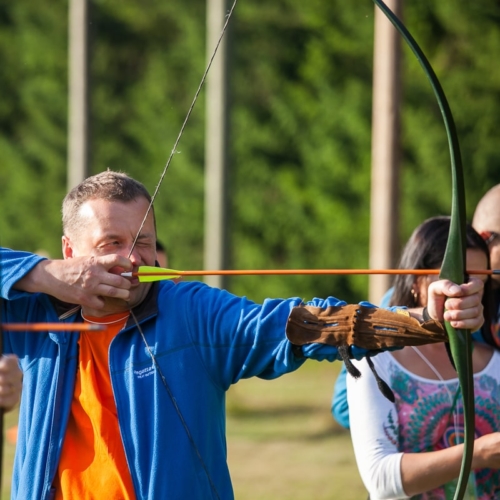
(67, 248)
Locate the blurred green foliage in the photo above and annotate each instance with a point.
(300, 93)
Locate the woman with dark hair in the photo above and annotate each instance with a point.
(410, 448)
(425, 250)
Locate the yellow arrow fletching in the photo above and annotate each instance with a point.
(147, 274)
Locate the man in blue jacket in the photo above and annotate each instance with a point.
(138, 412)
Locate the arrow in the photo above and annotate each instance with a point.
(53, 327)
(149, 273)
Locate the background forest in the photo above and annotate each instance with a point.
(301, 86)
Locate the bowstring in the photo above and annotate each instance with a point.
(169, 160)
(174, 149)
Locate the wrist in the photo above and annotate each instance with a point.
(477, 459)
(39, 279)
(421, 314)
(417, 313)
(32, 281)
(425, 314)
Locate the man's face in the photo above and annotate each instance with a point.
(492, 238)
(110, 227)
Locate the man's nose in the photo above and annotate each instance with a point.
(135, 257)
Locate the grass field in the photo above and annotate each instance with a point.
(10, 420)
(283, 443)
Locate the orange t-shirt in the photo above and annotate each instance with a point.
(93, 463)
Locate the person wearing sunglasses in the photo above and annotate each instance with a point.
(486, 222)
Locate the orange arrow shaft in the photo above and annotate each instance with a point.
(53, 327)
(264, 272)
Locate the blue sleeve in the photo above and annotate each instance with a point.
(14, 266)
(235, 337)
(387, 297)
(340, 406)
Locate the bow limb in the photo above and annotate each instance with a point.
(453, 267)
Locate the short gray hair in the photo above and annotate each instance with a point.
(108, 185)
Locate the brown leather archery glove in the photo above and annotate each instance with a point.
(370, 328)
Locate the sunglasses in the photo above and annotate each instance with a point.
(489, 236)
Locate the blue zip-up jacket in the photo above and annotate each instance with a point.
(204, 340)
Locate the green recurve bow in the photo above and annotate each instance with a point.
(453, 267)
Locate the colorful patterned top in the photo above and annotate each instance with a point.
(426, 416)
